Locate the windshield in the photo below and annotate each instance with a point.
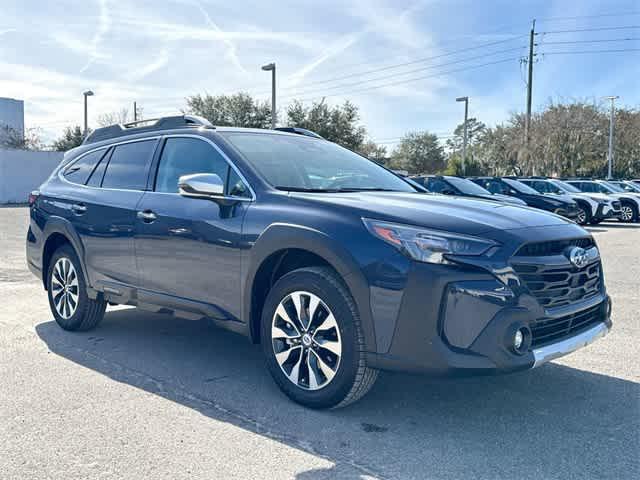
(631, 187)
(467, 186)
(521, 187)
(602, 187)
(299, 163)
(616, 187)
(567, 187)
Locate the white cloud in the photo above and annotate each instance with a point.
(104, 24)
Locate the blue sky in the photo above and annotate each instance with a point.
(157, 52)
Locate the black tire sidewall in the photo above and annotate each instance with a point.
(75, 321)
(314, 282)
(587, 215)
(634, 212)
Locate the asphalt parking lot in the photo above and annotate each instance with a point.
(152, 396)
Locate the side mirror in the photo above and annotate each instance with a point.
(201, 185)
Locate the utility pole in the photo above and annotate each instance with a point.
(611, 122)
(135, 112)
(272, 68)
(527, 124)
(464, 138)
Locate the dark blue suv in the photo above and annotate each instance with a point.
(337, 266)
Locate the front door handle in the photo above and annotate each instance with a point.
(79, 208)
(147, 216)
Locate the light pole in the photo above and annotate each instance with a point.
(611, 121)
(272, 68)
(464, 138)
(86, 94)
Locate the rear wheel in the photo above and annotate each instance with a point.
(67, 292)
(312, 340)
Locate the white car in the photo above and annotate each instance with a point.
(629, 202)
(594, 207)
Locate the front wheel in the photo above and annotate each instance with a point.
(584, 215)
(628, 213)
(67, 292)
(312, 340)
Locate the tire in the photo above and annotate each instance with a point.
(65, 270)
(584, 215)
(323, 379)
(629, 213)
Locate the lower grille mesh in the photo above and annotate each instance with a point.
(555, 329)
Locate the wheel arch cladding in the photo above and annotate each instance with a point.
(59, 232)
(282, 248)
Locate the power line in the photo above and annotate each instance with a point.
(592, 51)
(591, 41)
(621, 14)
(413, 62)
(602, 29)
(415, 79)
(386, 77)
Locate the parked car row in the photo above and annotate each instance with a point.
(585, 201)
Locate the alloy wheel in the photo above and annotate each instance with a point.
(64, 288)
(582, 216)
(626, 213)
(306, 340)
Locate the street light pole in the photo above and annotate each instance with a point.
(86, 94)
(272, 68)
(611, 121)
(464, 138)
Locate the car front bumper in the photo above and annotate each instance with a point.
(452, 322)
(606, 211)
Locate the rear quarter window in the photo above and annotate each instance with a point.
(129, 166)
(80, 170)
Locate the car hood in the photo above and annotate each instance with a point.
(593, 196)
(496, 197)
(451, 213)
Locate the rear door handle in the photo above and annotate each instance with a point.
(79, 208)
(147, 216)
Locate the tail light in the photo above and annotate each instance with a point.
(33, 197)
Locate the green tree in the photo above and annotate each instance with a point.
(239, 110)
(339, 124)
(375, 152)
(475, 129)
(71, 138)
(419, 152)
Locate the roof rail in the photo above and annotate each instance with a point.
(148, 125)
(299, 131)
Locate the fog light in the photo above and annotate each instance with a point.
(518, 339)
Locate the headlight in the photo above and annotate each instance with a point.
(425, 245)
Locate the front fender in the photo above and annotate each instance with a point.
(282, 236)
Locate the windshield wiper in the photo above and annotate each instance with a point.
(310, 190)
(333, 190)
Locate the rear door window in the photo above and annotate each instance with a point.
(80, 171)
(129, 166)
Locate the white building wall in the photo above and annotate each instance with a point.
(22, 171)
(12, 114)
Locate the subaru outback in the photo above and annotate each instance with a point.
(338, 267)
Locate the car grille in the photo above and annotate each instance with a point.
(616, 205)
(556, 286)
(554, 329)
(555, 247)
